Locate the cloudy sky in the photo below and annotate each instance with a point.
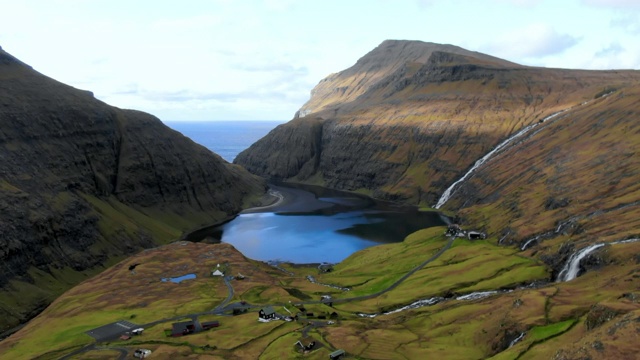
(259, 59)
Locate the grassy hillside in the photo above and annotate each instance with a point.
(556, 317)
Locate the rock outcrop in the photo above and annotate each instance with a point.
(83, 184)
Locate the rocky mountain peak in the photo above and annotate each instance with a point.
(382, 62)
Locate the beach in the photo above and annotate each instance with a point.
(288, 199)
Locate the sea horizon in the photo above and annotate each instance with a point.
(226, 138)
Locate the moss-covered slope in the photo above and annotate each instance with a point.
(83, 184)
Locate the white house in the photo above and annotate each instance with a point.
(217, 273)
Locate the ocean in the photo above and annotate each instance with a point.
(225, 138)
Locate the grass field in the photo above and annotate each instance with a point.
(452, 329)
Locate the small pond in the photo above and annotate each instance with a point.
(179, 279)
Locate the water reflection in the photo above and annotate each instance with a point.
(320, 225)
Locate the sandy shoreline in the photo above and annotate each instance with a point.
(273, 193)
(281, 198)
(289, 199)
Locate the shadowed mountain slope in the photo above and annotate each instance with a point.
(83, 184)
(412, 128)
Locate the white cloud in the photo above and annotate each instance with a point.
(531, 42)
(426, 3)
(629, 23)
(623, 4)
(280, 5)
(196, 59)
(612, 50)
(613, 56)
(523, 3)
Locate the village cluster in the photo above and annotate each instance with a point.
(456, 231)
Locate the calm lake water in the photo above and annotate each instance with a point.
(316, 224)
(320, 225)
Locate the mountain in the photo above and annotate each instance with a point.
(84, 184)
(388, 58)
(554, 154)
(544, 161)
(410, 118)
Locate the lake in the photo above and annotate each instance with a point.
(316, 225)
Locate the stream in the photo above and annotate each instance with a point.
(572, 267)
(451, 189)
(438, 299)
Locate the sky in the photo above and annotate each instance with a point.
(206, 60)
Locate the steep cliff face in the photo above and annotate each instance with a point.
(83, 184)
(410, 118)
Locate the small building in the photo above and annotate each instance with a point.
(337, 354)
(476, 235)
(238, 311)
(267, 313)
(210, 324)
(182, 328)
(217, 273)
(453, 230)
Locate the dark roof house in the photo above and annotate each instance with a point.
(267, 313)
(182, 328)
(210, 324)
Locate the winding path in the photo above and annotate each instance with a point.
(229, 295)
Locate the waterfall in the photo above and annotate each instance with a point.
(571, 268)
(516, 340)
(450, 190)
(526, 244)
